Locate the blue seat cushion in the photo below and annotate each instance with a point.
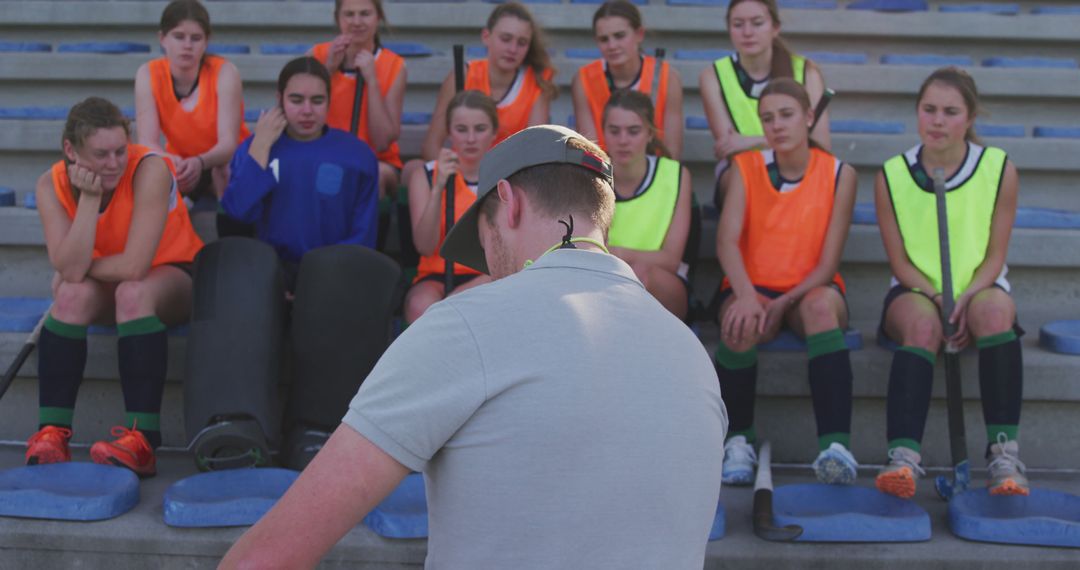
(837, 57)
(25, 47)
(719, 523)
(1057, 132)
(409, 49)
(808, 4)
(890, 5)
(1056, 10)
(237, 497)
(697, 123)
(1000, 9)
(104, 47)
(1044, 518)
(701, 54)
(839, 513)
(284, 49)
(475, 52)
(930, 59)
(7, 197)
(638, 2)
(858, 126)
(1012, 131)
(1061, 336)
(415, 118)
(228, 49)
(21, 314)
(787, 341)
(34, 113)
(403, 514)
(583, 53)
(1032, 62)
(717, 3)
(68, 491)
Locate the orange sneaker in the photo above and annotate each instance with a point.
(899, 476)
(130, 449)
(48, 445)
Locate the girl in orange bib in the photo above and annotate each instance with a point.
(121, 242)
(472, 122)
(782, 230)
(618, 32)
(516, 74)
(358, 50)
(193, 98)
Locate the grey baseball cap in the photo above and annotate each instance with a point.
(542, 144)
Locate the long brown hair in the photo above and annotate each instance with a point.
(964, 84)
(781, 54)
(472, 99)
(179, 11)
(537, 57)
(641, 105)
(383, 24)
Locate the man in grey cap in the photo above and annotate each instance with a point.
(561, 416)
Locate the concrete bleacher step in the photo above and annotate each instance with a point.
(140, 539)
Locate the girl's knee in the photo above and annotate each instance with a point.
(134, 300)
(819, 308)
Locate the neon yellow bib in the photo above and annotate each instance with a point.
(642, 222)
(741, 106)
(970, 206)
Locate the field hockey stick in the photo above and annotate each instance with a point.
(961, 478)
(24, 353)
(822, 103)
(764, 526)
(451, 181)
(358, 99)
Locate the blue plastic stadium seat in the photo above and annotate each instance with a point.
(284, 49)
(252, 115)
(1012, 131)
(839, 513)
(68, 491)
(719, 523)
(808, 4)
(786, 341)
(104, 47)
(864, 214)
(237, 497)
(35, 113)
(717, 3)
(1044, 518)
(890, 5)
(476, 52)
(1032, 62)
(7, 197)
(415, 118)
(30, 201)
(1056, 10)
(697, 123)
(858, 126)
(404, 513)
(837, 57)
(21, 314)
(526, 1)
(701, 54)
(926, 59)
(1026, 217)
(409, 49)
(1057, 132)
(228, 49)
(583, 53)
(24, 47)
(1000, 9)
(1061, 336)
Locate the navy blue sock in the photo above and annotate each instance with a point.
(61, 360)
(737, 372)
(1001, 383)
(910, 381)
(143, 349)
(830, 386)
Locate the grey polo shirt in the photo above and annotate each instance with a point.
(562, 418)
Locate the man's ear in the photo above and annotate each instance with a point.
(512, 199)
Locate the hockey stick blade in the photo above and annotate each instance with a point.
(764, 526)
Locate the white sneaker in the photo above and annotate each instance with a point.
(836, 465)
(739, 462)
(1006, 470)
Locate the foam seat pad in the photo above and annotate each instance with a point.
(237, 497)
(21, 314)
(787, 341)
(837, 513)
(68, 491)
(1061, 336)
(719, 523)
(1044, 518)
(403, 514)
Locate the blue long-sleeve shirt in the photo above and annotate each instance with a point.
(311, 194)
